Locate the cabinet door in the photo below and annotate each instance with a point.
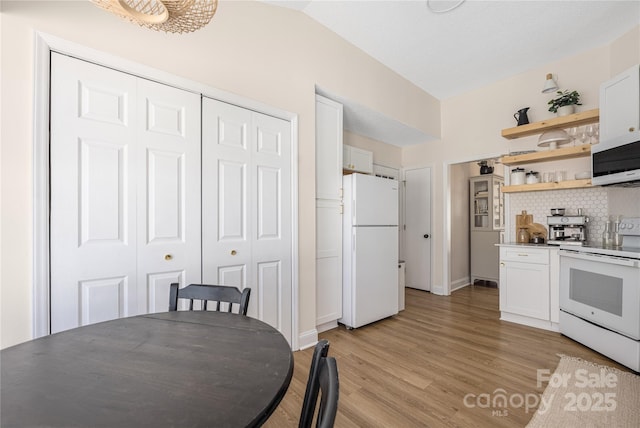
(328, 261)
(362, 160)
(481, 203)
(328, 149)
(358, 160)
(619, 107)
(524, 289)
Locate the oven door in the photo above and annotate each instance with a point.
(604, 290)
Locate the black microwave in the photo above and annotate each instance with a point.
(616, 164)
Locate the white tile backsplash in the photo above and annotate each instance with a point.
(593, 201)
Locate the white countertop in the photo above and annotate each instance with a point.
(518, 244)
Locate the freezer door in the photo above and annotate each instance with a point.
(375, 274)
(375, 201)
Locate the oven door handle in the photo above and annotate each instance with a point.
(600, 258)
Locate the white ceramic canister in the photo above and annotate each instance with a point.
(532, 177)
(517, 176)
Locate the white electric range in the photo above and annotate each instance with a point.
(600, 296)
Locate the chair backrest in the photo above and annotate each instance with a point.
(329, 390)
(206, 292)
(313, 385)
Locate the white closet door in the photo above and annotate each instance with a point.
(246, 201)
(169, 209)
(110, 160)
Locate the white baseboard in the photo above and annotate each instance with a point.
(327, 326)
(308, 339)
(460, 283)
(438, 289)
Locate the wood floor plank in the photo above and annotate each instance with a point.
(416, 368)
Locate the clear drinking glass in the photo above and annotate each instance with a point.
(573, 133)
(590, 131)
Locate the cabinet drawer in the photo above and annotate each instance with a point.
(525, 255)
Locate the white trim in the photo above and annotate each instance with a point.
(44, 44)
(295, 257)
(460, 283)
(308, 339)
(40, 303)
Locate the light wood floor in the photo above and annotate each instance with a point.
(416, 368)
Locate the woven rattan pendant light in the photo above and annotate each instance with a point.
(171, 16)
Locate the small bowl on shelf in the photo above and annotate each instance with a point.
(582, 175)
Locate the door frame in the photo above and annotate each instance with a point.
(44, 44)
(403, 231)
(446, 214)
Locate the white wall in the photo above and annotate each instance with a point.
(272, 55)
(472, 122)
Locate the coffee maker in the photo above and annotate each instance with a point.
(567, 229)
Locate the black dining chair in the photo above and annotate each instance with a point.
(315, 386)
(329, 391)
(206, 292)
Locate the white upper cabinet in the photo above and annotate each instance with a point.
(357, 160)
(620, 106)
(328, 149)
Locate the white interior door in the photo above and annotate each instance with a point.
(247, 208)
(124, 162)
(417, 236)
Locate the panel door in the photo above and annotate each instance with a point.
(168, 192)
(246, 208)
(93, 197)
(418, 228)
(328, 261)
(104, 133)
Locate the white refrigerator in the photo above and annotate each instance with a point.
(370, 249)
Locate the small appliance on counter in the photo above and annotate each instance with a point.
(567, 229)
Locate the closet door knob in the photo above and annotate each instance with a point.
(233, 252)
(168, 257)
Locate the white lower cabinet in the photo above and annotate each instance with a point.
(528, 294)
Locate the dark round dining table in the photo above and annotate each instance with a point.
(173, 369)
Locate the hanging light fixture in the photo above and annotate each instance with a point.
(550, 84)
(171, 16)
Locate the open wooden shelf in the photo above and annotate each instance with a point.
(576, 119)
(548, 155)
(562, 185)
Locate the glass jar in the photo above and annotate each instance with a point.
(523, 235)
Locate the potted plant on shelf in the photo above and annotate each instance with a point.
(565, 102)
